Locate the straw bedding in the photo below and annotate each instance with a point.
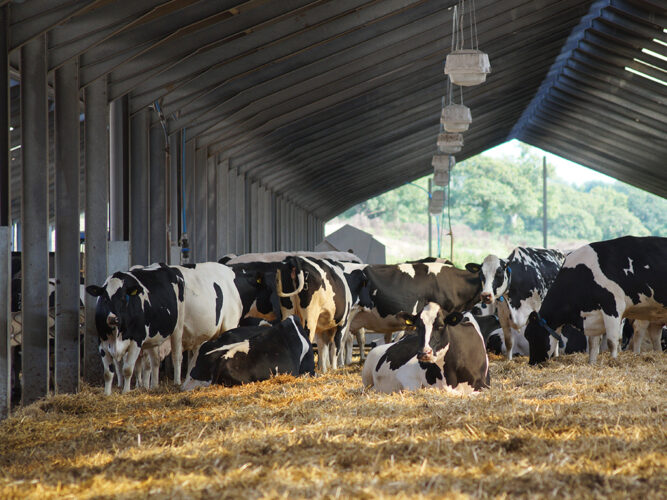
(566, 430)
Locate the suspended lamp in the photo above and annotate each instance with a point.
(466, 66)
(450, 143)
(456, 118)
(442, 164)
(437, 202)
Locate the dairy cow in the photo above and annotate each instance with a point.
(408, 287)
(318, 292)
(516, 286)
(448, 350)
(599, 285)
(144, 306)
(253, 353)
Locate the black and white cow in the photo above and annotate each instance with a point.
(318, 292)
(517, 285)
(408, 287)
(448, 350)
(599, 285)
(144, 306)
(253, 353)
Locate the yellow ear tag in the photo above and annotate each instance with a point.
(259, 280)
(408, 321)
(134, 292)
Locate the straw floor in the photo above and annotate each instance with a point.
(566, 430)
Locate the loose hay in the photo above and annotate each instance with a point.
(567, 430)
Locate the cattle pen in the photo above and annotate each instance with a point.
(567, 430)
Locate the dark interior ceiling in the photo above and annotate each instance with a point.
(332, 102)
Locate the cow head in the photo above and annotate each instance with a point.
(432, 327)
(543, 341)
(120, 306)
(360, 288)
(290, 279)
(495, 275)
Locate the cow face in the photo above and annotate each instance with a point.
(120, 305)
(360, 288)
(495, 275)
(538, 340)
(432, 327)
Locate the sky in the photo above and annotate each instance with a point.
(567, 170)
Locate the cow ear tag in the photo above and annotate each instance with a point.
(501, 299)
(472, 267)
(454, 318)
(408, 321)
(133, 292)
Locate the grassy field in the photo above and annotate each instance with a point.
(567, 430)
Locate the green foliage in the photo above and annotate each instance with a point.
(504, 197)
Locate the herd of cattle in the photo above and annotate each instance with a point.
(247, 318)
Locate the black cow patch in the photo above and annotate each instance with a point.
(218, 302)
(401, 352)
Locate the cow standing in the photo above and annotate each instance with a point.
(253, 353)
(599, 285)
(319, 294)
(517, 286)
(448, 350)
(144, 306)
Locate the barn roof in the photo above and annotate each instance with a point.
(332, 102)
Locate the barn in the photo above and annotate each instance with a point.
(184, 130)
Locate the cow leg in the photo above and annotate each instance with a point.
(612, 326)
(322, 352)
(361, 342)
(639, 327)
(154, 357)
(177, 355)
(504, 320)
(388, 337)
(333, 354)
(128, 364)
(655, 334)
(593, 348)
(108, 373)
(192, 359)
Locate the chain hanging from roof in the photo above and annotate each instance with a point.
(466, 66)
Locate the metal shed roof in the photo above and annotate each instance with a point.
(332, 102)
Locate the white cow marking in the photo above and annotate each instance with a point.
(408, 269)
(304, 344)
(428, 316)
(232, 349)
(629, 269)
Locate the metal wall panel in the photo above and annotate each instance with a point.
(139, 197)
(200, 205)
(157, 195)
(221, 208)
(211, 211)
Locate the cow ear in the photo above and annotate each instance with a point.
(472, 267)
(95, 290)
(453, 318)
(133, 290)
(407, 318)
(533, 317)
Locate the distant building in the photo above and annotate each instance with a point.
(351, 239)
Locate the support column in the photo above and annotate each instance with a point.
(119, 159)
(97, 198)
(174, 197)
(221, 180)
(211, 212)
(232, 215)
(201, 205)
(139, 200)
(157, 209)
(240, 215)
(5, 220)
(34, 221)
(254, 217)
(190, 179)
(67, 227)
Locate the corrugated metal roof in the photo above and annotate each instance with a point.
(332, 102)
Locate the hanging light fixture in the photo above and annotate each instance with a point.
(442, 165)
(437, 202)
(466, 67)
(456, 118)
(450, 143)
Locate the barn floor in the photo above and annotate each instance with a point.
(565, 430)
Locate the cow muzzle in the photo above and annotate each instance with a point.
(487, 298)
(426, 356)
